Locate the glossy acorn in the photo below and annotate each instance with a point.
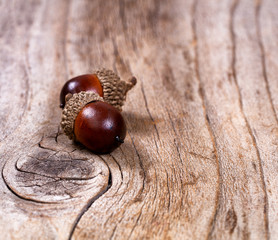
(96, 124)
(100, 127)
(104, 82)
(86, 82)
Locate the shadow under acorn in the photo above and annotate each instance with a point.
(139, 124)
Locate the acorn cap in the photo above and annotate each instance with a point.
(114, 89)
(74, 104)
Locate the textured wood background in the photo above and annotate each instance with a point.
(200, 159)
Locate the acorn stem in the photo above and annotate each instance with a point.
(133, 80)
(119, 140)
(131, 83)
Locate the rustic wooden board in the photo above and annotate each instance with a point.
(200, 159)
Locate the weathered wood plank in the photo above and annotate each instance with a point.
(170, 176)
(200, 156)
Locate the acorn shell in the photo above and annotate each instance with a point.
(114, 89)
(73, 106)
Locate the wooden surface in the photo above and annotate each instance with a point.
(200, 159)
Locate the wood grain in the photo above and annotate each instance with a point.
(200, 156)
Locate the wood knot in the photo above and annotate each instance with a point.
(52, 176)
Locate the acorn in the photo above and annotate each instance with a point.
(94, 123)
(104, 82)
(87, 82)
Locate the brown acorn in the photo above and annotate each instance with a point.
(104, 82)
(96, 124)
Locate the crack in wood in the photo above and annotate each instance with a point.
(140, 163)
(148, 110)
(119, 166)
(127, 183)
(205, 113)
(90, 203)
(168, 190)
(254, 141)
